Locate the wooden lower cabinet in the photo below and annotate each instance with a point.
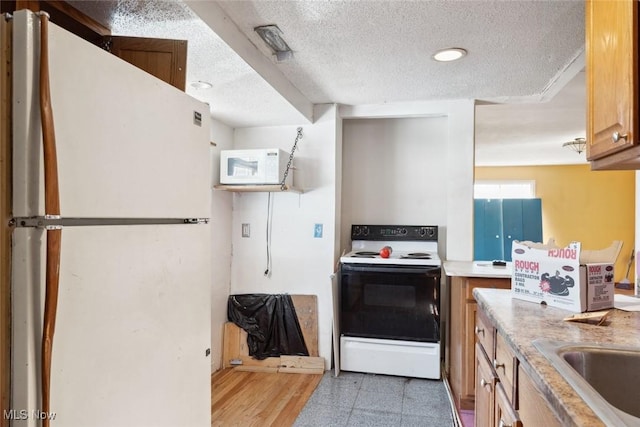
(532, 406)
(505, 394)
(461, 367)
(495, 371)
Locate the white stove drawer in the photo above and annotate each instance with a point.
(390, 357)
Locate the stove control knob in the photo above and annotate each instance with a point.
(423, 231)
(403, 231)
(430, 232)
(365, 231)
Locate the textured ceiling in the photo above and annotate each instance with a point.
(370, 52)
(366, 52)
(533, 133)
(239, 96)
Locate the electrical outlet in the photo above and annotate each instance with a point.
(317, 231)
(246, 230)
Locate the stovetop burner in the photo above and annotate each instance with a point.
(364, 254)
(417, 255)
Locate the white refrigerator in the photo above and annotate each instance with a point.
(132, 336)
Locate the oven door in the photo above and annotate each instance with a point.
(390, 302)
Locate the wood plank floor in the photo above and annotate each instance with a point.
(240, 398)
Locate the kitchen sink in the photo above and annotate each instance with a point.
(606, 377)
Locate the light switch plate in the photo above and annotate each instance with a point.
(246, 230)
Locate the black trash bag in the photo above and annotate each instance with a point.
(271, 323)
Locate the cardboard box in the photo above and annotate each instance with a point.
(600, 285)
(553, 275)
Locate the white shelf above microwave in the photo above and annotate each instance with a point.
(265, 188)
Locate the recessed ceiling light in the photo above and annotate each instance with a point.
(201, 85)
(450, 54)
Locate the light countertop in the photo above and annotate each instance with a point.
(476, 269)
(521, 322)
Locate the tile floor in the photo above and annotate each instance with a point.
(354, 399)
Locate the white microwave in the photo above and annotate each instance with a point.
(256, 167)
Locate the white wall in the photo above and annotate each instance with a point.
(438, 178)
(434, 139)
(301, 264)
(392, 172)
(221, 211)
(459, 180)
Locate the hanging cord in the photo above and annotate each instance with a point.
(283, 187)
(267, 272)
(286, 171)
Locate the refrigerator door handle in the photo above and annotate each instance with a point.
(51, 222)
(196, 221)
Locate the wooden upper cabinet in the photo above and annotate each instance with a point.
(612, 84)
(165, 59)
(63, 15)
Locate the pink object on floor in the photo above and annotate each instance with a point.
(467, 417)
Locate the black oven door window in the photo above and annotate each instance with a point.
(390, 302)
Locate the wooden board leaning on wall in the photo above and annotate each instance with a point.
(235, 344)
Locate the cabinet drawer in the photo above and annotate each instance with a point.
(485, 334)
(505, 365)
(475, 282)
(505, 414)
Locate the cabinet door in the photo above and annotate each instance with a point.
(511, 224)
(165, 59)
(612, 90)
(533, 408)
(162, 58)
(64, 15)
(521, 220)
(531, 220)
(485, 390)
(488, 229)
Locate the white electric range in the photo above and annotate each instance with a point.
(390, 307)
